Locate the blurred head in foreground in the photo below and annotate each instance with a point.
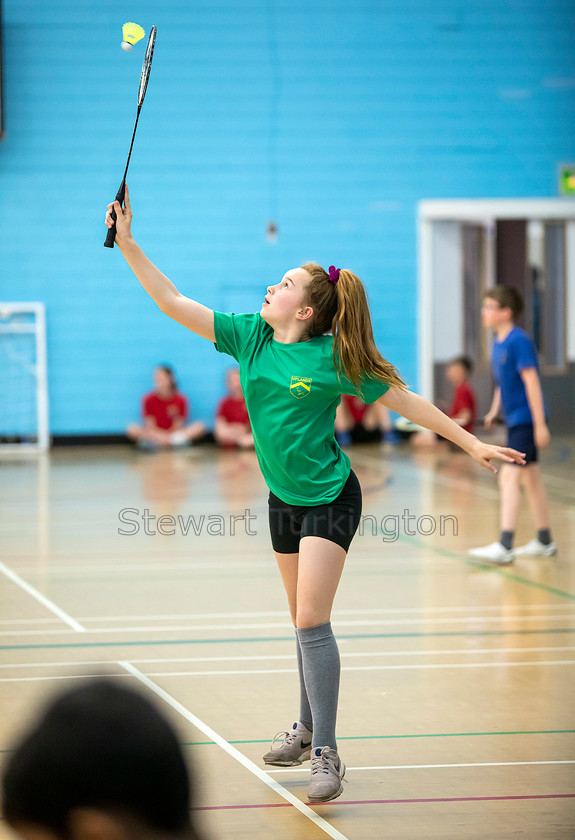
(101, 763)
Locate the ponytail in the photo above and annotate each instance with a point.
(343, 309)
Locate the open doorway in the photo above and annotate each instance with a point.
(466, 247)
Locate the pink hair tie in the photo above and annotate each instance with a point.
(333, 274)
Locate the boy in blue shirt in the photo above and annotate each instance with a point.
(518, 393)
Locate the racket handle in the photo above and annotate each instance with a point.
(111, 236)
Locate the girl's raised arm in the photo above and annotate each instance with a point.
(422, 412)
(193, 315)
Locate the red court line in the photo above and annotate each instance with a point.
(391, 801)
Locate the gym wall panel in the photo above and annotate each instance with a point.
(333, 118)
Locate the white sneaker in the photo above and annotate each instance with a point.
(494, 553)
(402, 424)
(327, 772)
(536, 547)
(295, 747)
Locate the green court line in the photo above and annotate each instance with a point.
(543, 586)
(167, 642)
(504, 572)
(388, 737)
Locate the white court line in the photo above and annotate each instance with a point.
(282, 613)
(72, 572)
(359, 611)
(473, 622)
(425, 667)
(78, 676)
(106, 569)
(231, 673)
(290, 656)
(335, 613)
(28, 621)
(431, 766)
(46, 602)
(234, 753)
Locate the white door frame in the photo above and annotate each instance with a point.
(481, 211)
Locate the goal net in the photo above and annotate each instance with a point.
(23, 384)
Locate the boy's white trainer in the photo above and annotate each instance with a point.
(494, 553)
(537, 548)
(327, 772)
(295, 747)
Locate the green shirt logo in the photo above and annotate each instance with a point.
(300, 387)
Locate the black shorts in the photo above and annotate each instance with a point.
(521, 438)
(336, 521)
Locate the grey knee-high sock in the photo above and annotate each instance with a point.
(304, 707)
(320, 660)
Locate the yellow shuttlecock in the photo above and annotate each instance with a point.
(132, 33)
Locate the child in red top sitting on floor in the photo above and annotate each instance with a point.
(463, 406)
(356, 422)
(165, 413)
(232, 426)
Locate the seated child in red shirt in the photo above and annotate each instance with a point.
(232, 426)
(165, 413)
(357, 422)
(463, 408)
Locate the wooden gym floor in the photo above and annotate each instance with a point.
(457, 709)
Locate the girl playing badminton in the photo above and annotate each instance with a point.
(311, 342)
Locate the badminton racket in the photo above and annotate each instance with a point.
(146, 67)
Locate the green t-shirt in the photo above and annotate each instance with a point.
(292, 392)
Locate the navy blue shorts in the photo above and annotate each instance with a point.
(336, 521)
(521, 438)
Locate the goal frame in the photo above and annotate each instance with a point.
(38, 329)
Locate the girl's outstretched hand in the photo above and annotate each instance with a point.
(123, 218)
(483, 453)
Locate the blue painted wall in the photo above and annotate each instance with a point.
(332, 117)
